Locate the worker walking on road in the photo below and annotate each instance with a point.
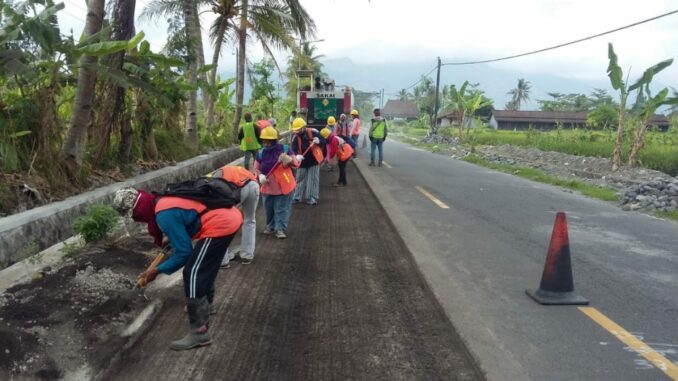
(355, 129)
(378, 132)
(181, 220)
(249, 139)
(249, 199)
(273, 166)
(336, 146)
(307, 144)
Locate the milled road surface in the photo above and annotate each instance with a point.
(340, 299)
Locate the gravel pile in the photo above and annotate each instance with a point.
(656, 195)
(98, 283)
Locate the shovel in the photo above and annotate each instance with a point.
(141, 281)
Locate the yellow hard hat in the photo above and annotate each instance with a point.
(325, 132)
(331, 121)
(298, 124)
(269, 133)
(354, 112)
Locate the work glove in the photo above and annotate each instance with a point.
(316, 140)
(262, 179)
(300, 158)
(285, 159)
(147, 277)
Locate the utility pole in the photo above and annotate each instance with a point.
(434, 122)
(381, 103)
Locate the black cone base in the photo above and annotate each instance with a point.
(556, 298)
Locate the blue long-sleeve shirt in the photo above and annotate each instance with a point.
(179, 225)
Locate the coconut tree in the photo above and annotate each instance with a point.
(112, 97)
(304, 58)
(189, 41)
(73, 148)
(266, 20)
(520, 94)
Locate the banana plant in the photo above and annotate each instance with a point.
(615, 73)
(647, 111)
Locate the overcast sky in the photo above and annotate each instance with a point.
(384, 31)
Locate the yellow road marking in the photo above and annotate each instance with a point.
(432, 197)
(656, 359)
(387, 164)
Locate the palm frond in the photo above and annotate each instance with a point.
(160, 8)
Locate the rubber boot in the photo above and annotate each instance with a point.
(198, 317)
(210, 300)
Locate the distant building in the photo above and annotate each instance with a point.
(548, 120)
(447, 117)
(397, 109)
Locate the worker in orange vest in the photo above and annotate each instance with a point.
(249, 199)
(274, 165)
(182, 220)
(307, 144)
(336, 146)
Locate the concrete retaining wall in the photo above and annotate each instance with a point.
(50, 224)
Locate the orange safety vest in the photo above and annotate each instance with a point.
(345, 152)
(315, 149)
(213, 223)
(284, 178)
(236, 175)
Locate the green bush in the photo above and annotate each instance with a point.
(97, 223)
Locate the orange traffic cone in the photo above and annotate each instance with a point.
(557, 286)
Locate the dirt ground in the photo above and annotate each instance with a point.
(66, 323)
(340, 299)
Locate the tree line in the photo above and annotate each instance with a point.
(71, 104)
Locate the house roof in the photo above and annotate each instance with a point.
(539, 116)
(400, 109)
(561, 116)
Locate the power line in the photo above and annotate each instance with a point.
(561, 45)
(71, 3)
(421, 78)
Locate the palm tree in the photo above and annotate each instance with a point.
(403, 95)
(268, 24)
(304, 58)
(226, 11)
(187, 11)
(520, 94)
(112, 94)
(73, 148)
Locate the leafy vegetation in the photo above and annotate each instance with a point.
(97, 223)
(71, 106)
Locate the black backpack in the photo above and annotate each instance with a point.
(213, 192)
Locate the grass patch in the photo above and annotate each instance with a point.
(670, 215)
(600, 193)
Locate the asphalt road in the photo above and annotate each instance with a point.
(340, 299)
(481, 253)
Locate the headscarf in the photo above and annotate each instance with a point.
(144, 211)
(269, 156)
